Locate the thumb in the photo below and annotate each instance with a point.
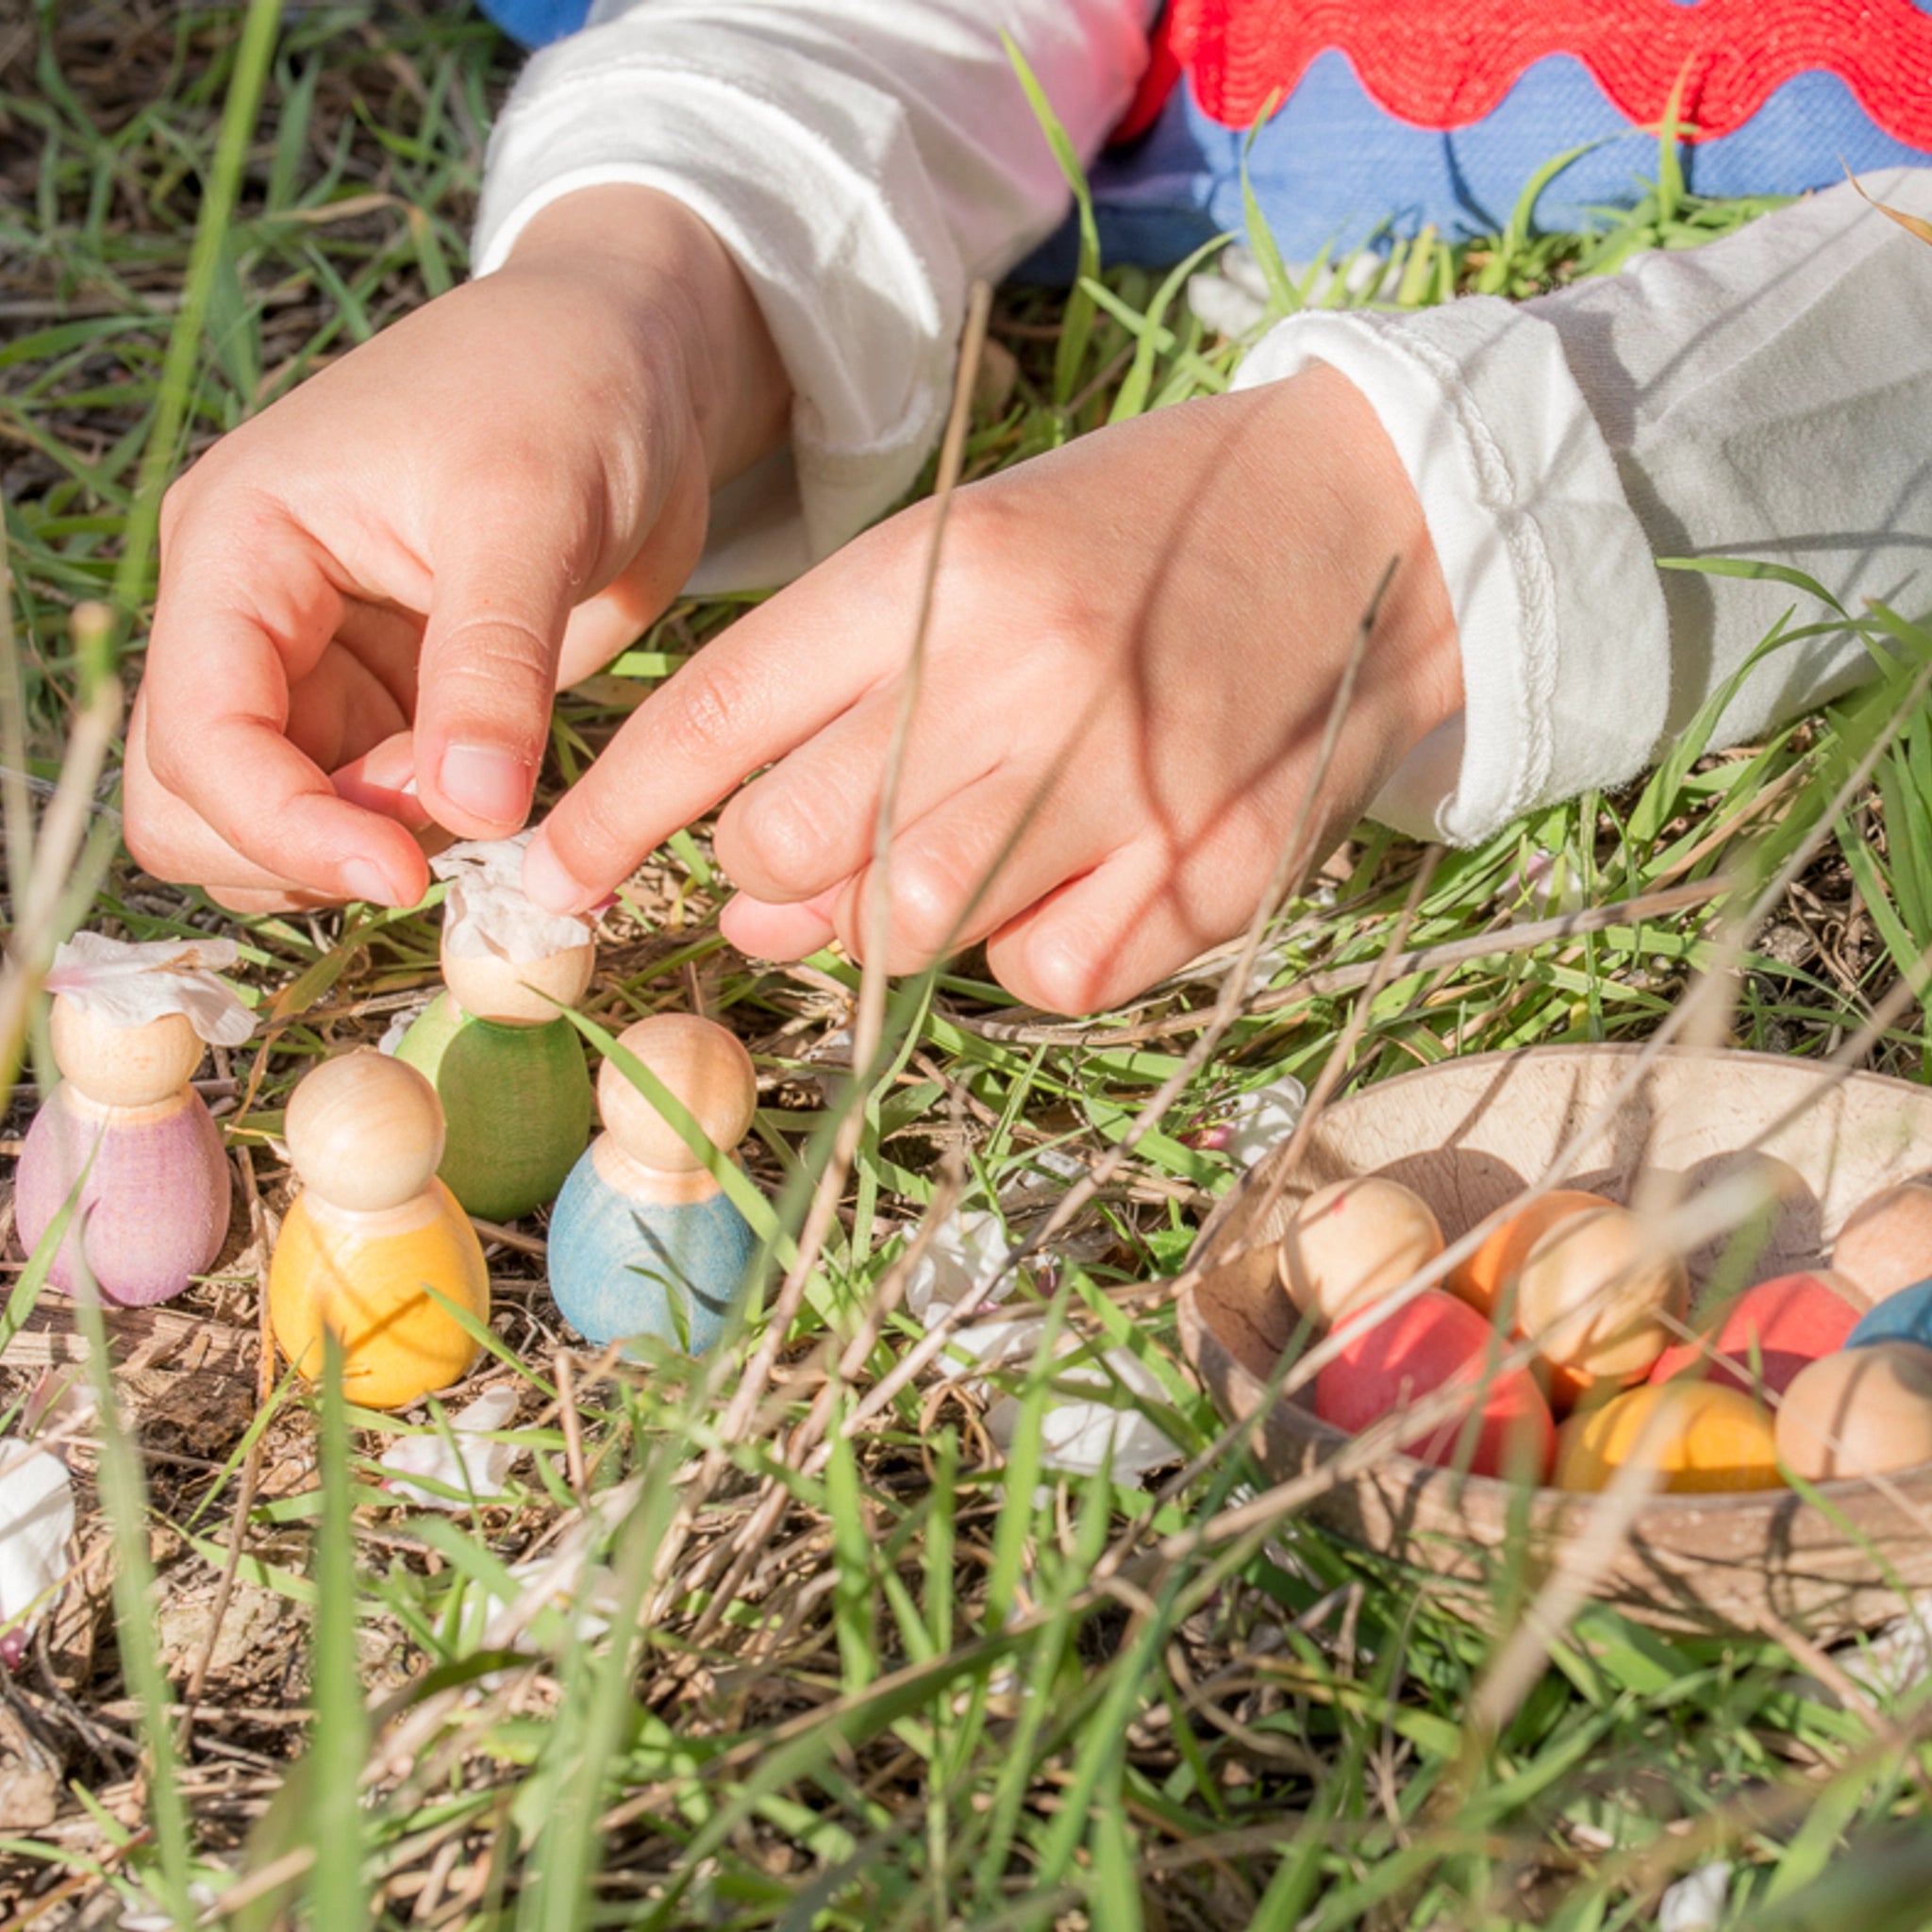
(485, 683)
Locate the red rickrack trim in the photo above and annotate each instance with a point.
(1445, 63)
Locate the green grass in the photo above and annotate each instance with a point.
(843, 1666)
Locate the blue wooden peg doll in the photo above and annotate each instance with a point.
(643, 1240)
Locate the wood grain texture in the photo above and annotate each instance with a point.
(364, 1131)
(516, 1103)
(1468, 1136)
(518, 994)
(124, 1066)
(368, 1278)
(634, 1254)
(705, 1066)
(155, 1193)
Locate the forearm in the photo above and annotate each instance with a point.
(691, 308)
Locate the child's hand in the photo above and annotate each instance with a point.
(1134, 648)
(370, 592)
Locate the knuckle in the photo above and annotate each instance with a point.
(784, 833)
(170, 759)
(176, 503)
(711, 709)
(595, 840)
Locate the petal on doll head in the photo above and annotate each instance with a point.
(486, 911)
(129, 984)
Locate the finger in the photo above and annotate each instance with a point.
(812, 821)
(255, 904)
(384, 779)
(1101, 938)
(620, 614)
(969, 867)
(777, 678)
(503, 635)
(597, 632)
(488, 675)
(170, 841)
(775, 932)
(226, 646)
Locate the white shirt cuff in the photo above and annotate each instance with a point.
(1564, 638)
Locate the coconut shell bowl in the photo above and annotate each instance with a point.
(1469, 1136)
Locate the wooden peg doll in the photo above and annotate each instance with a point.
(129, 1023)
(371, 1233)
(506, 1065)
(643, 1240)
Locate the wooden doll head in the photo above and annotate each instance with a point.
(124, 1066)
(703, 1065)
(364, 1132)
(513, 994)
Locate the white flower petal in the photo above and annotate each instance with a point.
(993, 1344)
(833, 1052)
(485, 911)
(1695, 1903)
(471, 1467)
(1075, 1434)
(1548, 881)
(1224, 306)
(142, 1920)
(129, 985)
(1060, 1162)
(961, 1263)
(1237, 263)
(35, 1525)
(1262, 1119)
(400, 1024)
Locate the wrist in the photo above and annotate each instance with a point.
(698, 330)
(1365, 524)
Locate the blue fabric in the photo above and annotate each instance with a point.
(1331, 169)
(537, 23)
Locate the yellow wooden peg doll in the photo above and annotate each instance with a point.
(373, 1232)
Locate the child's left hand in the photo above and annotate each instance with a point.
(1134, 648)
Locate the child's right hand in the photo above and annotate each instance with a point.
(371, 591)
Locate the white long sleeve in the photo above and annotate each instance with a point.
(863, 161)
(1766, 397)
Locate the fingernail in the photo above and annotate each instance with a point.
(547, 884)
(493, 784)
(362, 879)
